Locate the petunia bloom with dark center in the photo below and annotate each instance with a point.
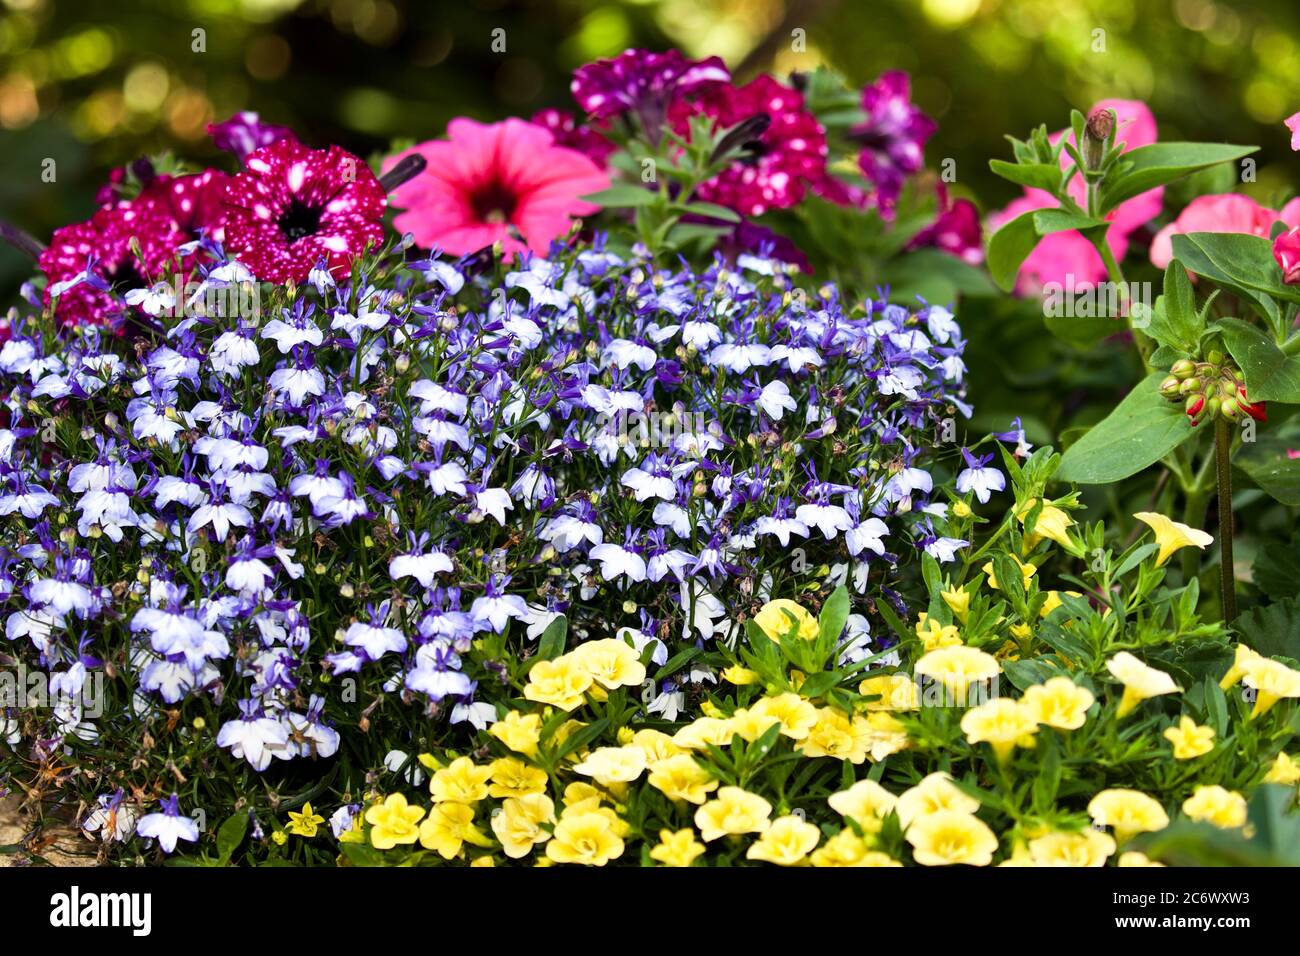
(293, 206)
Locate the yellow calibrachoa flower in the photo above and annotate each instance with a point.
(514, 778)
(588, 837)
(1190, 739)
(306, 823)
(1285, 770)
(393, 821)
(776, 618)
(1084, 848)
(731, 812)
(520, 732)
(609, 765)
(946, 837)
(1216, 805)
(1051, 524)
(518, 827)
(1243, 658)
(483, 861)
(796, 715)
(846, 848)
(581, 796)
(750, 724)
(610, 662)
(561, 682)
(680, 778)
(896, 692)
(1027, 572)
(1052, 602)
(448, 827)
(280, 837)
(703, 731)
(1059, 703)
(676, 849)
(1272, 681)
(786, 842)
(958, 601)
(1140, 681)
(1003, 724)
(1134, 858)
(957, 668)
(886, 735)
(1172, 535)
(934, 793)
(934, 635)
(1127, 812)
(461, 781)
(838, 735)
(866, 801)
(656, 744)
(740, 676)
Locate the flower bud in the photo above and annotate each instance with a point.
(1230, 409)
(1190, 386)
(1170, 387)
(1100, 128)
(1215, 357)
(1183, 368)
(1212, 405)
(1193, 406)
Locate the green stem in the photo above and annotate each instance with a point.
(1223, 460)
(1116, 275)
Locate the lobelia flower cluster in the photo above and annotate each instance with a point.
(384, 470)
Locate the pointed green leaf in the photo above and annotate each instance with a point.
(1271, 374)
(1141, 430)
(1160, 163)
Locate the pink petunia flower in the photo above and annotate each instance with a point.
(292, 206)
(779, 164)
(1064, 254)
(486, 183)
(1286, 251)
(1293, 124)
(1224, 213)
(196, 202)
(86, 260)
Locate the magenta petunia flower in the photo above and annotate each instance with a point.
(564, 128)
(245, 132)
(489, 183)
(956, 230)
(893, 137)
(196, 202)
(1286, 252)
(776, 168)
(292, 206)
(103, 243)
(644, 83)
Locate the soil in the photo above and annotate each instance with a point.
(64, 845)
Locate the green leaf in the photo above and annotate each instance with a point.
(1048, 221)
(1175, 321)
(552, 643)
(230, 834)
(1141, 430)
(1008, 249)
(835, 612)
(1271, 374)
(1268, 464)
(712, 210)
(1034, 175)
(1240, 263)
(1150, 166)
(1273, 629)
(1082, 332)
(622, 196)
(1277, 568)
(935, 276)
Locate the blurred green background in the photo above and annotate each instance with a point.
(93, 84)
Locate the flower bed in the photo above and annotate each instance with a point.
(651, 537)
